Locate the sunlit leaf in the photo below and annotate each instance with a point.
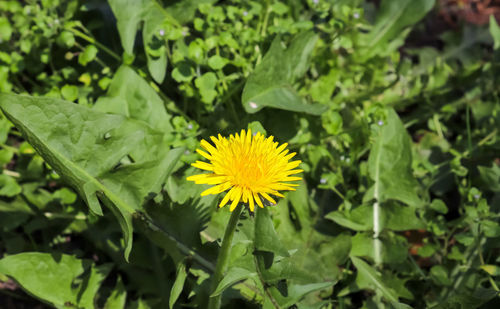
(57, 279)
(270, 85)
(86, 148)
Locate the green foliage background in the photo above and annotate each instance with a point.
(395, 119)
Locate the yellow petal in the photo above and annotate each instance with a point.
(204, 154)
(258, 200)
(226, 198)
(216, 189)
(293, 164)
(236, 198)
(267, 197)
(198, 177)
(208, 146)
(251, 204)
(203, 165)
(213, 180)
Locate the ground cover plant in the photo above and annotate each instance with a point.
(353, 144)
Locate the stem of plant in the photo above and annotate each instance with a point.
(377, 245)
(215, 301)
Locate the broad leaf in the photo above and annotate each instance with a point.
(271, 82)
(60, 280)
(392, 216)
(266, 238)
(394, 248)
(129, 14)
(392, 18)
(88, 149)
(130, 95)
(233, 276)
(389, 164)
(316, 253)
(368, 277)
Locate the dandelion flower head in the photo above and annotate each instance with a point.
(250, 166)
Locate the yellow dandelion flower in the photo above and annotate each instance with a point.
(249, 166)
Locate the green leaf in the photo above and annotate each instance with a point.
(490, 177)
(359, 219)
(183, 72)
(66, 39)
(316, 254)
(118, 296)
(8, 186)
(440, 275)
(88, 54)
(271, 82)
(5, 29)
(492, 270)
(69, 92)
(87, 148)
(154, 44)
(394, 247)
(495, 31)
(439, 206)
(14, 213)
(185, 10)
(469, 299)
(206, 84)
(368, 277)
(389, 164)
(60, 280)
(392, 216)
(216, 62)
(180, 278)
(65, 195)
(233, 275)
(295, 292)
(129, 15)
(130, 95)
(392, 19)
(266, 238)
(490, 228)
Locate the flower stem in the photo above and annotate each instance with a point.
(215, 301)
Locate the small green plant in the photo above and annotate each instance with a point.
(392, 115)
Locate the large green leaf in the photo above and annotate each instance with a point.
(271, 82)
(394, 248)
(129, 14)
(389, 164)
(119, 160)
(368, 277)
(266, 238)
(320, 255)
(392, 216)
(393, 18)
(60, 280)
(130, 95)
(233, 276)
